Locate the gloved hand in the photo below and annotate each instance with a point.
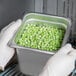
(6, 53)
(62, 63)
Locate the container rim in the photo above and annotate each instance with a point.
(14, 45)
(67, 19)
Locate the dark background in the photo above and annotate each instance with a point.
(13, 9)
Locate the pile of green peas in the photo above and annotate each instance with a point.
(41, 36)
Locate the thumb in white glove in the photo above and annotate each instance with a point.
(62, 63)
(6, 53)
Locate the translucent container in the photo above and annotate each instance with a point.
(32, 61)
(51, 18)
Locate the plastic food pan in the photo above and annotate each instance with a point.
(51, 18)
(32, 61)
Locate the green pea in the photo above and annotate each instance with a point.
(41, 36)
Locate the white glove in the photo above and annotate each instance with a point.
(62, 63)
(6, 53)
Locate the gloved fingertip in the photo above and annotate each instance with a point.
(19, 20)
(68, 45)
(65, 49)
(16, 25)
(72, 53)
